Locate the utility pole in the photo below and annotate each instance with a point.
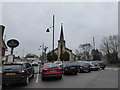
(42, 53)
(23, 53)
(53, 34)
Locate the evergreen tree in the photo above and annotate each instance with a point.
(52, 56)
(64, 56)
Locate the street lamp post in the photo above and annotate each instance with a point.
(53, 33)
(40, 50)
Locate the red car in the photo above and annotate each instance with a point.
(51, 70)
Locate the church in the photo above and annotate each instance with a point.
(62, 48)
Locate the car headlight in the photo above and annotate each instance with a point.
(0, 71)
(80, 67)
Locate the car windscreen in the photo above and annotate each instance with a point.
(13, 67)
(58, 62)
(50, 65)
(95, 62)
(82, 63)
(70, 64)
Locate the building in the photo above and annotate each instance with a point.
(62, 47)
(85, 57)
(3, 46)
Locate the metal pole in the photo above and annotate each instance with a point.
(12, 51)
(53, 33)
(42, 53)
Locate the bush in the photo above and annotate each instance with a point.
(64, 56)
(52, 56)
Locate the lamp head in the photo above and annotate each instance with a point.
(47, 30)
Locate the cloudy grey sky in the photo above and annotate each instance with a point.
(28, 21)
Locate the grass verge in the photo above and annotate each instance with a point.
(112, 65)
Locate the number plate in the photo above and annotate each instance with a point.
(53, 71)
(10, 73)
(72, 67)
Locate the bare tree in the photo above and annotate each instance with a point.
(85, 49)
(110, 44)
(110, 48)
(105, 47)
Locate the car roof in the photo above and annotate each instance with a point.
(48, 63)
(22, 62)
(57, 61)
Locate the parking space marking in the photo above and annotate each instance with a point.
(115, 69)
(37, 78)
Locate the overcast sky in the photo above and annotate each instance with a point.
(27, 22)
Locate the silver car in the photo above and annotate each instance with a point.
(94, 65)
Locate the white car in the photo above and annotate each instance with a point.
(36, 62)
(94, 65)
(58, 62)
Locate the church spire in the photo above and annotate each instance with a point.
(61, 34)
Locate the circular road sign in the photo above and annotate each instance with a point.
(12, 43)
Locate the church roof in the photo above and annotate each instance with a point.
(68, 49)
(65, 48)
(61, 34)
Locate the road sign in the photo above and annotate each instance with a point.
(12, 43)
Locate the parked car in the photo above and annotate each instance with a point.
(70, 68)
(51, 70)
(102, 64)
(84, 66)
(94, 65)
(58, 62)
(17, 72)
(36, 62)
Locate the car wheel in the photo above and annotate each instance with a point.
(3, 85)
(87, 71)
(43, 78)
(79, 70)
(75, 73)
(103, 68)
(26, 81)
(60, 77)
(64, 72)
(97, 69)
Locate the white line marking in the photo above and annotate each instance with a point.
(116, 69)
(37, 78)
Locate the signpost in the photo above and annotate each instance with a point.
(12, 44)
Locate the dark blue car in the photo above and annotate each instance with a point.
(70, 68)
(84, 66)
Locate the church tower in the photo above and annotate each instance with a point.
(61, 43)
(62, 49)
